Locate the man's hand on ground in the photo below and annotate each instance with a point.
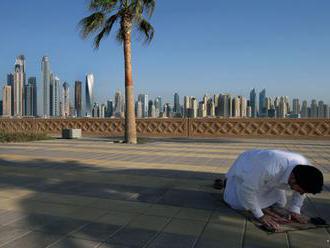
(269, 222)
(294, 217)
(278, 218)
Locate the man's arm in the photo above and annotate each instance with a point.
(296, 202)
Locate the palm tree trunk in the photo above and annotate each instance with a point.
(130, 125)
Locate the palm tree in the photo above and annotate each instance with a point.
(128, 14)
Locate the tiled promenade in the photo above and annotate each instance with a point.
(92, 193)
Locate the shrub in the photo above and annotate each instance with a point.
(22, 137)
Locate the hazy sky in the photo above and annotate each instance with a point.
(209, 46)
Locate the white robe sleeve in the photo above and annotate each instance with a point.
(296, 202)
(248, 199)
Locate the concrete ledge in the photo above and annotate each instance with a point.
(71, 133)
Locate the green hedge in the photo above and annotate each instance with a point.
(22, 137)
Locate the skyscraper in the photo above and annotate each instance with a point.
(320, 110)
(304, 110)
(28, 100)
(89, 94)
(109, 111)
(262, 99)
(296, 106)
(313, 109)
(66, 100)
(119, 104)
(176, 108)
(32, 81)
(158, 106)
(54, 89)
(45, 81)
(18, 85)
(10, 82)
(6, 100)
(253, 103)
(144, 99)
(77, 98)
(236, 111)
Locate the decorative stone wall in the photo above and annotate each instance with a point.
(176, 127)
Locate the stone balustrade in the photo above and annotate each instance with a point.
(177, 127)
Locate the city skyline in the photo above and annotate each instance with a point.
(19, 98)
(276, 45)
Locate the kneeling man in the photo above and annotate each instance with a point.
(259, 179)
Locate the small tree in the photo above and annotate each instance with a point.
(128, 14)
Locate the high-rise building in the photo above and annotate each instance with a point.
(45, 81)
(158, 106)
(6, 101)
(66, 100)
(186, 105)
(28, 100)
(78, 98)
(253, 103)
(32, 82)
(243, 106)
(54, 88)
(304, 110)
(176, 107)
(236, 109)
(109, 110)
(283, 110)
(119, 104)
(139, 110)
(202, 109)
(262, 99)
(144, 99)
(326, 111)
(10, 82)
(18, 86)
(210, 107)
(225, 105)
(89, 94)
(320, 110)
(313, 109)
(194, 107)
(296, 109)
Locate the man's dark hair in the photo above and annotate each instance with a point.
(309, 178)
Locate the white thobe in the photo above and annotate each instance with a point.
(259, 179)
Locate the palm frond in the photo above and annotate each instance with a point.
(91, 24)
(149, 5)
(147, 29)
(103, 5)
(106, 30)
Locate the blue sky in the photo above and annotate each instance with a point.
(217, 46)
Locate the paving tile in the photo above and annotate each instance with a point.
(11, 216)
(257, 238)
(10, 233)
(117, 218)
(33, 239)
(95, 231)
(162, 210)
(165, 240)
(148, 222)
(193, 214)
(75, 243)
(132, 237)
(185, 227)
(189, 199)
(309, 238)
(33, 221)
(62, 226)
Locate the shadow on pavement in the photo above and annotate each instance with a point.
(70, 204)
